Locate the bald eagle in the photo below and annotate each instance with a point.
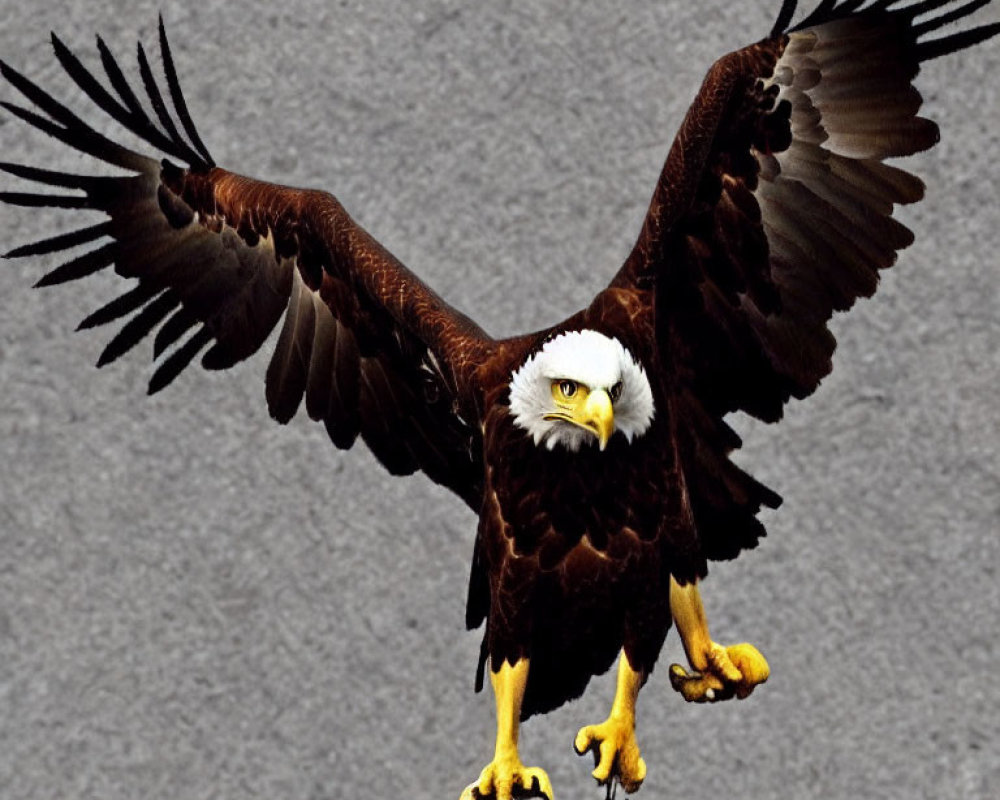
(595, 452)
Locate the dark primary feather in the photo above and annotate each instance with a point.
(131, 117)
(177, 96)
(784, 18)
(773, 210)
(64, 241)
(219, 259)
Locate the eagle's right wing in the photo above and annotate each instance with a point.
(217, 259)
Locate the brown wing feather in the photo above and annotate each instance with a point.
(220, 258)
(773, 210)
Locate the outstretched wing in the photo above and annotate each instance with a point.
(216, 261)
(773, 210)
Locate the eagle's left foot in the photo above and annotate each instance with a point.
(616, 753)
(727, 672)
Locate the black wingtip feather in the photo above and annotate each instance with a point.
(42, 99)
(138, 327)
(947, 19)
(173, 329)
(154, 94)
(84, 78)
(62, 242)
(180, 105)
(952, 44)
(48, 177)
(218, 358)
(125, 115)
(918, 9)
(784, 17)
(177, 361)
(828, 10)
(118, 79)
(121, 306)
(820, 14)
(80, 267)
(64, 125)
(81, 137)
(32, 200)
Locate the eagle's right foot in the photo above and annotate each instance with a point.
(506, 778)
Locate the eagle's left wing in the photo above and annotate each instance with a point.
(773, 210)
(217, 259)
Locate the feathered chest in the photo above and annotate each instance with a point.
(548, 501)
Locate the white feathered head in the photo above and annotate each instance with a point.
(582, 386)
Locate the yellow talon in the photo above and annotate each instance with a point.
(752, 665)
(731, 672)
(616, 753)
(508, 778)
(718, 673)
(721, 665)
(505, 777)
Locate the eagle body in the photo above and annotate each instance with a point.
(596, 452)
(588, 536)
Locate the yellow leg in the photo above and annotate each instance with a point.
(506, 774)
(616, 753)
(719, 672)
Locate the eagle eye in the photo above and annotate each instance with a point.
(615, 392)
(567, 388)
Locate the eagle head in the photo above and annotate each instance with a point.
(582, 386)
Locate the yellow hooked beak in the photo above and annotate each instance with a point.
(590, 410)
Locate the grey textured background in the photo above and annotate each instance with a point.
(198, 603)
